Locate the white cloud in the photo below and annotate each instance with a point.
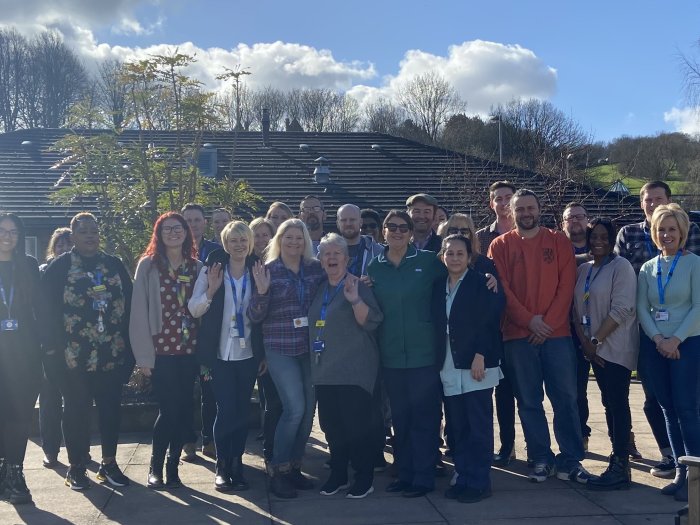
(685, 120)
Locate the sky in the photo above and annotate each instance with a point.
(613, 66)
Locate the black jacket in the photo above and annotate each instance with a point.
(209, 334)
(474, 322)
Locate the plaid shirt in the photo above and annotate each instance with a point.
(486, 236)
(634, 243)
(278, 308)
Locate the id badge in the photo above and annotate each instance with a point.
(319, 346)
(585, 320)
(320, 323)
(99, 305)
(241, 342)
(301, 322)
(233, 333)
(183, 279)
(9, 325)
(661, 315)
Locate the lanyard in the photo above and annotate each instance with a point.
(353, 268)
(298, 282)
(327, 299)
(180, 284)
(97, 278)
(7, 304)
(589, 281)
(240, 326)
(662, 289)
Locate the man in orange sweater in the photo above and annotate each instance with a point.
(537, 270)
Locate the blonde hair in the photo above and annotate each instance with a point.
(450, 223)
(274, 249)
(670, 210)
(281, 206)
(262, 221)
(241, 228)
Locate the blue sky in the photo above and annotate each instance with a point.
(613, 66)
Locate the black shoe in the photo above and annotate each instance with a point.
(112, 474)
(615, 477)
(172, 474)
(281, 486)
(222, 481)
(633, 451)
(678, 481)
(504, 457)
(360, 489)
(189, 453)
(440, 469)
(238, 482)
(50, 460)
(155, 479)
(334, 485)
(666, 468)
(415, 491)
(397, 486)
(454, 492)
(77, 478)
(298, 480)
(16, 491)
(470, 495)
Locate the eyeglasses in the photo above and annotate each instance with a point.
(369, 226)
(579, 217)
(12, 233)
(392, 227)
(307, 209)
(462, 231)
(174, 229)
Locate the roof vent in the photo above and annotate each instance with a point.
(207, 161)
(322, 172)
(304, 147)
(27, 143)
(376, 147)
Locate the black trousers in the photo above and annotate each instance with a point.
(79, 389)
(583, 367)
(505, 411)
(614, 383)
(345, 413)
(272, 414)
(19, 387)
(172, 385)
(50, 417)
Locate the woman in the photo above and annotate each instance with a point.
(278, 212)
(461, 224)
(88, 294)
(285, 286)
(469, 342)
(668, 305)
(20, 357)
(50, 400)
(344, 364)
(606, 325)
(403, 279)
(263, 232)
(163, 337)
(229, 346)
(371, 225)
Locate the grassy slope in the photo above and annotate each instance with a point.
(607, 174)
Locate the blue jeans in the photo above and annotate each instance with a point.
(554, 364)
(676, 384)
(292, 377)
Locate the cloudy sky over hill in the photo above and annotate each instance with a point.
(613, 66)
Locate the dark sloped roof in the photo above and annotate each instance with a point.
(371, 170)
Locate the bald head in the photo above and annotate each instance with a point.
(348, 221)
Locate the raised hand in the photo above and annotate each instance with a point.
(215, 276)
(261, 275)
(351, 288)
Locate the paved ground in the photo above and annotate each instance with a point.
(515, 500)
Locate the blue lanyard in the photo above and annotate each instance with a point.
(662, 289)
(240, 325)
(298, 282)
(589, 281)
(7, 304)
(97, 280)
(327, 299)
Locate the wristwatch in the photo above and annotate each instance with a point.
(595, 341)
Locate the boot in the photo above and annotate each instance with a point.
(677, 483)
(238, 482)
(615, 477)
(633, 451)
(280, 485)
(172, 476)
(299, 480)
(222, 481)
(16, 491)
(155, 474)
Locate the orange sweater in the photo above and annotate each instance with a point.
(538, 277)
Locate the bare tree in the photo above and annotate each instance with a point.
(273, 99)
(383, 116)
(429, 100)
(13, 70)
(113, 92)
(316, 107)
(345, 113)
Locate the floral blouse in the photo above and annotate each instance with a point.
(94, 312)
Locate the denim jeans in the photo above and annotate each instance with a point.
(554, 364)
(676, 384)
(652, 409)
(292, 377)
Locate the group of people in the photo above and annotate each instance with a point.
(419, 309)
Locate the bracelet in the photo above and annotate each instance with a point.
(359, 300)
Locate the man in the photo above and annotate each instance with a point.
(194, 215)
(220, 217)
(312, 214)
(500, 194)
(538, 272)
(361, 248)
(422, 207)
(634, 244)
(574, 224)
(371, 224)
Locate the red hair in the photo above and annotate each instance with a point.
(156, 248)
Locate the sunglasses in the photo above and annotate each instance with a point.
(392, 227)
(462, 231)
(369, 226)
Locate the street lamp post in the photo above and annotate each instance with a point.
(497, 118)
